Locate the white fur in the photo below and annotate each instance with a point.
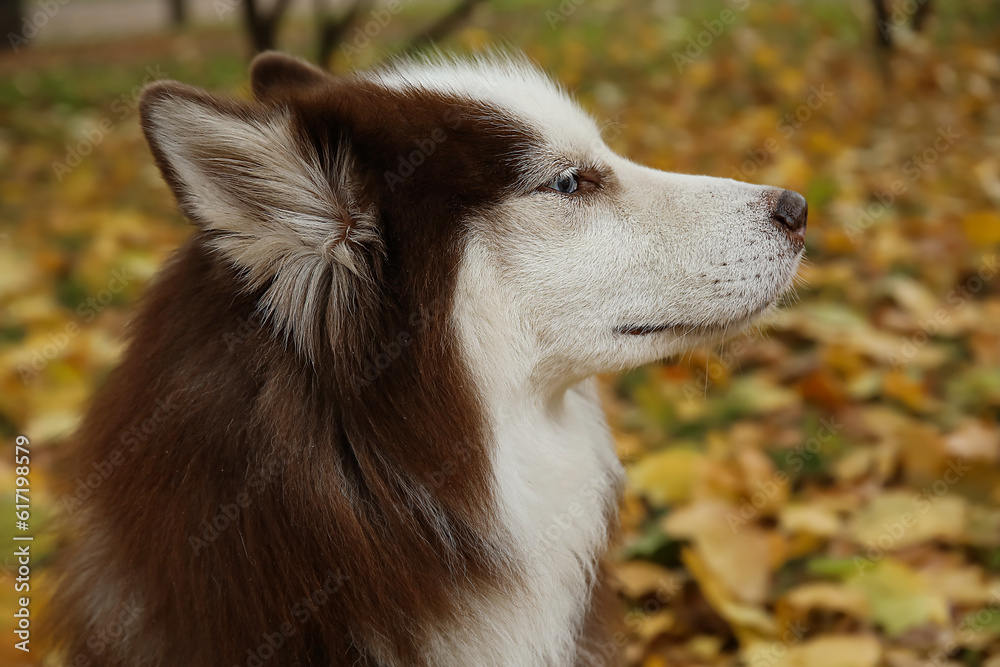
(544, 283)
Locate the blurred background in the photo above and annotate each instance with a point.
(822, 491)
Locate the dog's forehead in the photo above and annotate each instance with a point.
(512, 86)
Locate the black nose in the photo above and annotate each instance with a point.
(790, 216)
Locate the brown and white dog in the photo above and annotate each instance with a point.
(356, 422)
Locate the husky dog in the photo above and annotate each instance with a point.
(356, 422)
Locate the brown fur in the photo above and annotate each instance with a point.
(351, 505)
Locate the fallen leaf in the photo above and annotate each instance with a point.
(900, 598)
(667, 477)
(974, 441)
(834, 651)
(898, 519)
(829, 597)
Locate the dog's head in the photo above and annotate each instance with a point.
(476, 190)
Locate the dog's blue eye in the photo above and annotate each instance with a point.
(566, 184)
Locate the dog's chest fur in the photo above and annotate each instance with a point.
(557, 480)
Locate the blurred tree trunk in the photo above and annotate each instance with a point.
(263, 24)
(446, 24)
(10, 23)
(885, 25)
(920, 17)
(178, 13)
(332, 30)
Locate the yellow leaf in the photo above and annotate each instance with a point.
(704, 647)
(737, 554)
(833, 651)
(765, 56)
(749, 622)
(962, 585)
(974, 441)
(667, 477)
(827, 596)
(982, 228)
(812, 519)
(700, 74)
(651, 626)
(915, 297)
(901, 386)
(854, 465)
(762, 488)
(762, 394)
(898, 519)
(640, 578)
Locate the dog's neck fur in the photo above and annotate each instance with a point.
(557, 486)
(557, 482)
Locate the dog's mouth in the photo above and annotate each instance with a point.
(681, 330)
(645, 329)
(685, 329)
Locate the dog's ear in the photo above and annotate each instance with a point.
(283, 208)
(272, 73)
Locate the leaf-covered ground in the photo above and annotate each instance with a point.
(823, 491)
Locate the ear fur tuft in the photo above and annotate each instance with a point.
(283, 210)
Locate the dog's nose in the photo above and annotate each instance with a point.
(790, 216)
